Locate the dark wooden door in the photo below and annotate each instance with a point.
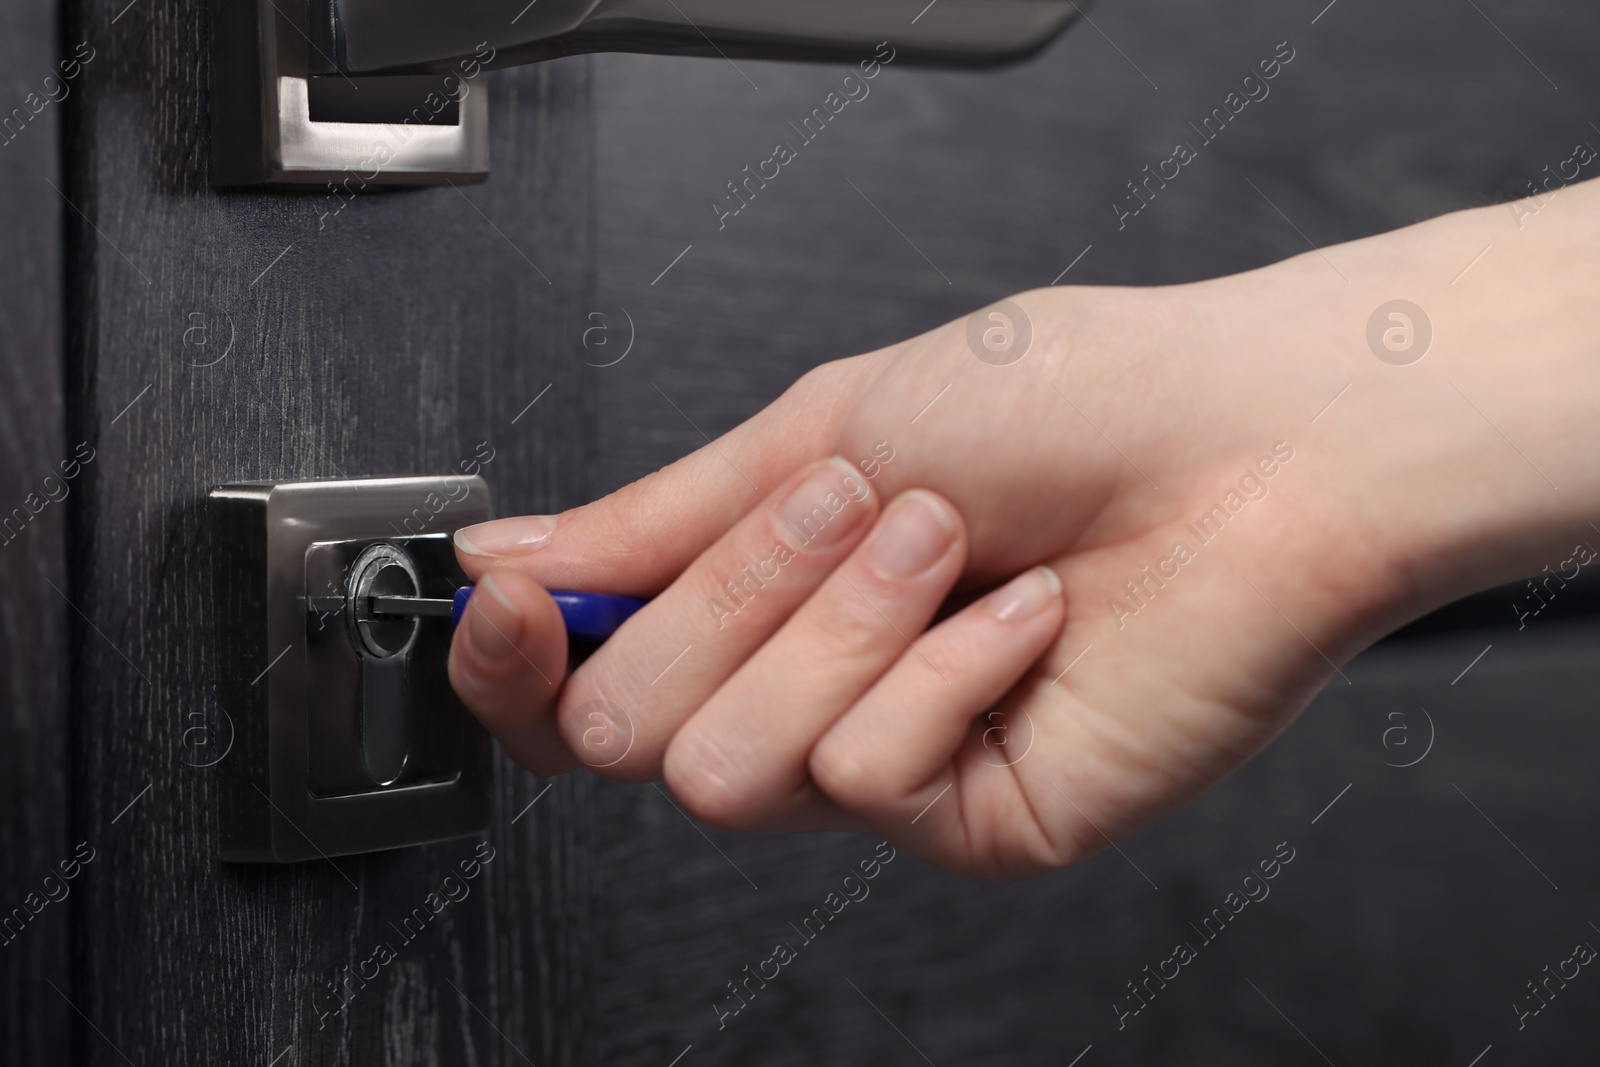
(34, 518)
(160, 338)
(212, 337)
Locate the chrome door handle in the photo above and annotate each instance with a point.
(356, 92)
(368, 36)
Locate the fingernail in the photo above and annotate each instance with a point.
(913, 535)
(827, 506)
(506, 537)
(1025, 595)
(494, 623)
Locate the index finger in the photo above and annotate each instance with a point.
(638, 539)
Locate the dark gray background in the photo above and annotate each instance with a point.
(1407, 923)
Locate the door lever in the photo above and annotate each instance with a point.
(357, 92)
(374, 36)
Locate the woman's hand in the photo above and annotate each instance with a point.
(1157, 527)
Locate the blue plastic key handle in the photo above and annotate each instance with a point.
(590, 616)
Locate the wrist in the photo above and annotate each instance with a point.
(1483, 455)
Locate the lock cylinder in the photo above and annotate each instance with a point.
(384, 644)
(383, 570)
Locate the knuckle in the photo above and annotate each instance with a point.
(838, 769)
(871, 588)
(821, 380)
(1045, 853)
(602, 734)
(569, 716)
(820, 401)
(852, 627)
(1052, 847)
(696, 775)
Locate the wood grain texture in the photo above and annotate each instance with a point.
(388, 338)
(1407, 924)
(34, 617)
(1401, 931)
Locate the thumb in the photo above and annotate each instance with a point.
(638, 539)
(507, 664)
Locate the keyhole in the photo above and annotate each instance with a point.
(381, 570)
(388, 634)
(383, 644)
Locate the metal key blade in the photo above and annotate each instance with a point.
(410, 605)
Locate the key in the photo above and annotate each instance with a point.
(589, 616)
